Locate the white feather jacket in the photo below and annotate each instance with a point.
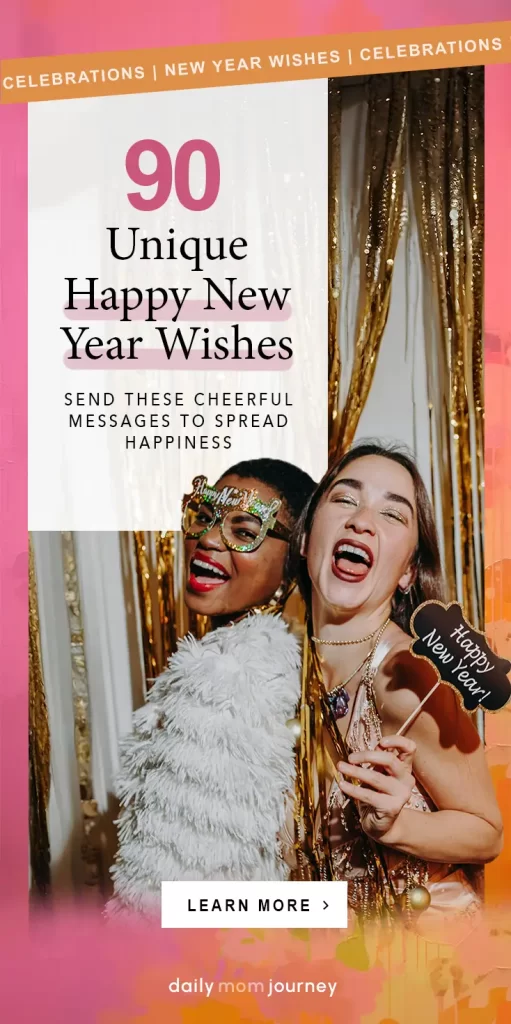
(205, 771)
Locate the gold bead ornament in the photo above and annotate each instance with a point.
(417, 899)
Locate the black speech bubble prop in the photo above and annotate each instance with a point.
(460, 656)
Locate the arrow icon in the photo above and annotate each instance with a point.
(325, 905)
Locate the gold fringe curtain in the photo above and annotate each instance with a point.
(447, 152)
(334, 257)
(91, 854)
(39, 748)
(474, 133)
(433, 123)
(382, 204)
(143, 566)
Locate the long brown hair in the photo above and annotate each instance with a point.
(428, 583)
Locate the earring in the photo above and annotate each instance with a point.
(282, 593)
(277, 602)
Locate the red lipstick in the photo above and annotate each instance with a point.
(206, 574)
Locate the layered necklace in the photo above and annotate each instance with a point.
(338, 699)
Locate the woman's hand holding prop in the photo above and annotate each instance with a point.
(380, 781)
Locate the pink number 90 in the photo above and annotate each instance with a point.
(162, 174)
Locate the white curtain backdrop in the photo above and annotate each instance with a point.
(115, 684)
(107, 653)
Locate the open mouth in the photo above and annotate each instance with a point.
(351, 562)
(206, 574)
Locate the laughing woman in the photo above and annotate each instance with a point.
(395, 815)
(204, 771)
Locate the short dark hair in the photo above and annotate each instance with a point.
(428, 583)
(293, 486)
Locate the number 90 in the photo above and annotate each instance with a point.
(162, 174)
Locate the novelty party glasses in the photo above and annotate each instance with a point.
(244, 519)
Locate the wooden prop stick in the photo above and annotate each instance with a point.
(411, 718)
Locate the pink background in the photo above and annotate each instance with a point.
(70, 969)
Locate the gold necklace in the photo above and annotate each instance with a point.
(338, 699)
(347, 643)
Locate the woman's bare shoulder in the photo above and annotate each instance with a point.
(403, 680)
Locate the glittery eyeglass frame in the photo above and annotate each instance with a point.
(231, 499)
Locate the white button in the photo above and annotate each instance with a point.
(254, 905)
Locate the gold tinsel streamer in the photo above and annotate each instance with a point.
(474, 186)
(381, 222)
(91, 842)
(427, 145)
(166, 601)
(164, 617)
(198, 625)
(39, 747)
(334, 258)
(318, 730)
(446, 146)
(151, 661)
